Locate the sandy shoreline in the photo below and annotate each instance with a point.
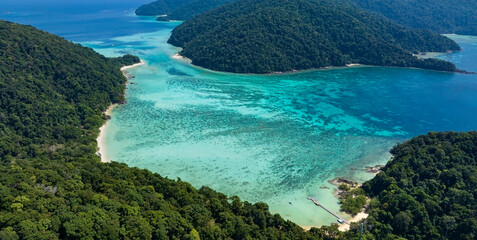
(343, 227)
(124, 68)
(182, 58)
(352, 184)
(177, 56)
(100, 139)
(101, 150)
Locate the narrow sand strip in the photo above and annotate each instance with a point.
(177, 56)
(124, 68)
(344, 227)
(181, 58)
(101, 150)
(101, 138)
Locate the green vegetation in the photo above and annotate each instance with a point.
(47, 90)
(179, 10)
(160, 7)
(427, 191)
(263, 36)
(443, 16)
(193, 9)
(352, 199)
(53, 186)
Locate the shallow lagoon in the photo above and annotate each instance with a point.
(271, 138)
(276, 138)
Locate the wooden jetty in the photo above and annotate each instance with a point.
(340, 220)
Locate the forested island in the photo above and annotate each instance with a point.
(160, 7)
(443, 16)
(255, 36)
(178, 10)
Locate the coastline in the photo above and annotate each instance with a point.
(343, 226)
(179, 57)
(341, 180)
(124, 68)
(358, 217)
(101, 137)
(424, 55)
(182, 58)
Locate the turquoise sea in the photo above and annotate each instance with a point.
(271, 138)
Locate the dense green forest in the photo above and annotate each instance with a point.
(161, 7)
(47, 87)
(263, 36)
(193, 9)
(428, 190)
(52, 184)
(443, 16)
(179, 10)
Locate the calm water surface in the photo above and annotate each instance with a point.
(271, 138)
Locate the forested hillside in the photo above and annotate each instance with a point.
(263, 36)
(427, 191)
(193, 9)
(52, 92)
(53, 186)
(161, 7)
(179, 10)
(443, 16)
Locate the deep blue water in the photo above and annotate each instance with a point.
(77, 20)
(272, 138)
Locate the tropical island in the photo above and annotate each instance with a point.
(442, 16)
(178, 10)
(53, 185)
(252, 36)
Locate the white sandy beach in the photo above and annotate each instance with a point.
(181, 58)
(124, 68)
(101, 149)
(358, 217)
(345, 227)
(177, 56)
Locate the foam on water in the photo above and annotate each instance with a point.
(274, 138)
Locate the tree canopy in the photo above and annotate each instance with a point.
(252, 36)
(161, 7)
(427, 191)
(193, 9)
(52, 92)
(179, 10)
(443, 16)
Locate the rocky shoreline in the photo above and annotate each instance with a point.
(373, 169)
